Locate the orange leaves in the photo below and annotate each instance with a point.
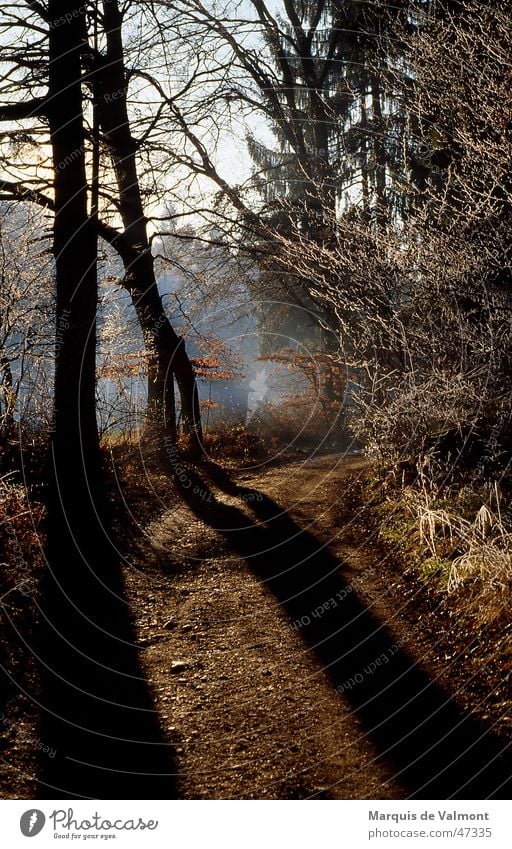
(211, 368)
(216, 360)
(120, 365)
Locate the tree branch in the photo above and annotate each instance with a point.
(19, 111)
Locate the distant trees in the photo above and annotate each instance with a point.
(382, 202)
(318, 211)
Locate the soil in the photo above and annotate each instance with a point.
(289, 658)
(250, 707)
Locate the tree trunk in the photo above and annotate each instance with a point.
(77, 555)
(98, 718)
(166, 351)
(75, 437)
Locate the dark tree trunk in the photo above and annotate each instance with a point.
(97, 714)
(75, 438)
(166, 351)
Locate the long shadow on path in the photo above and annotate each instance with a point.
(99, 724)
(437, 751)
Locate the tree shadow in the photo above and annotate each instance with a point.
(437, 751)
(99, 726)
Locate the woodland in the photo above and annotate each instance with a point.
(255, 406)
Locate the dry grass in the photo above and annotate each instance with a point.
(21, 537)
(469, 538)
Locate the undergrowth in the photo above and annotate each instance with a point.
(456, 539)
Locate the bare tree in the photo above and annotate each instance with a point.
(166, 351)
(26, 321)
(108, 80)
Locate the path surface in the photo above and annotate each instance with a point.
(281, 655)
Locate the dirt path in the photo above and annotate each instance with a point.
(282, 658)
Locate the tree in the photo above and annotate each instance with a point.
(166, 351)
(108, 80)
(26, 322)
(75, 441)
(405, 258)
(328, 197)
(97, 713)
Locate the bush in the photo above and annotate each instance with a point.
(235, 441)
(448, 423)
(20, 541)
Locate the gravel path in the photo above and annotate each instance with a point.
(259, 702)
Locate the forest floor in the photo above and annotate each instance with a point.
(288, 655)
(250, 662)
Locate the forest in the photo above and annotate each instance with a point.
(255, 406)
